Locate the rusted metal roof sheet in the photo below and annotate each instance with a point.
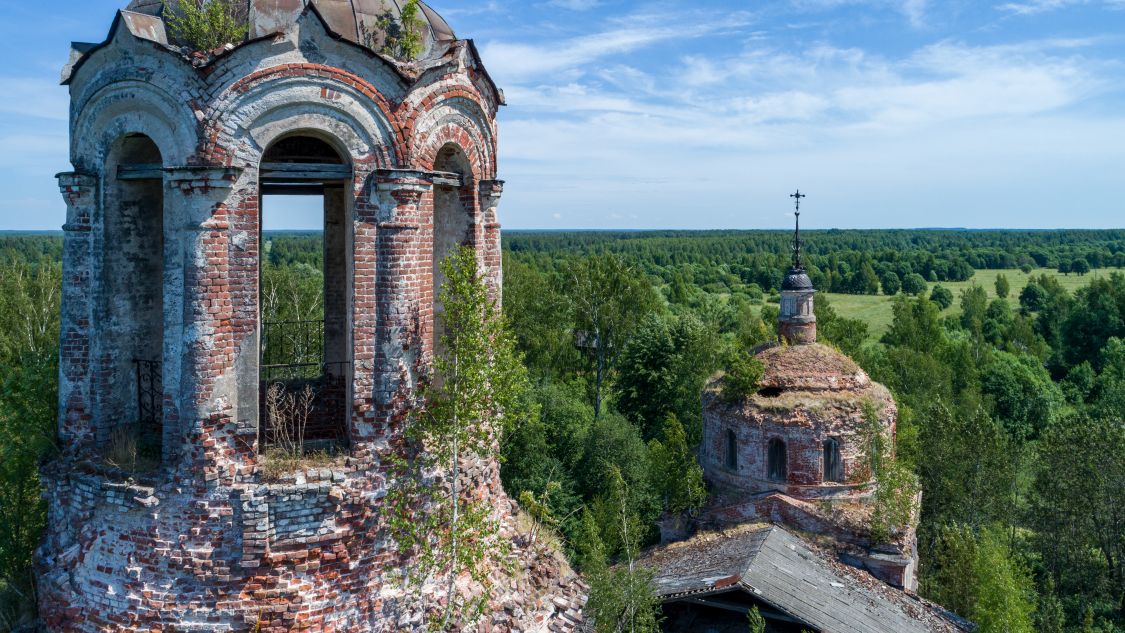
(781, 570)
(272, 16)
(340, 16)
(145, 26)
(441, 30)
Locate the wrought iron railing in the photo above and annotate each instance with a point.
(293, 359)
(305, 404)
(150, 393)
(292, 344)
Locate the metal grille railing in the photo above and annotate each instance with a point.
(293, 358)
(150, 393)
(292, 344)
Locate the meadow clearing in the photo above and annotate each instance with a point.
(875, 310)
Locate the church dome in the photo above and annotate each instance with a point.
(812, 403)
(357, 21)
(811, 368)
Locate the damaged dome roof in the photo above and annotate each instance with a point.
(355, 20)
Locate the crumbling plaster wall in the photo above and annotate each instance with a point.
(204, 544)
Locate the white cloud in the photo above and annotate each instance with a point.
(915, 11)
(1032, 7)
(1038, 6)
(720, 132)
(512, 61)
(479, 8)
(30, 151)
(36, 98)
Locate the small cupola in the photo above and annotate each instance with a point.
(797, 318)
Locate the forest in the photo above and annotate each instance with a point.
(1011, 398)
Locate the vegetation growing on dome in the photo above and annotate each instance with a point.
(744, 375)
(402, 36)
(206, 25)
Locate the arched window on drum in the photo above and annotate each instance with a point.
(732, 450)
(833, 463)
(777, 460)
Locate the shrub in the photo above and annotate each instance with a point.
(891, 283)
(942, 296)
(287, 416)
(206, 25)
(1003, 287)
(913, 284)
(742, 379)
(402, 36)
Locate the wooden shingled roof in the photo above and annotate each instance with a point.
(783, 571)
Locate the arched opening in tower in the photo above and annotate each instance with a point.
(304, 345)
(131, 311)
(453, 207)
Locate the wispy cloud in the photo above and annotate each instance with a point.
(701, 126)
(1032, 7)
(39, 98)
(915, 11)
(513, 61)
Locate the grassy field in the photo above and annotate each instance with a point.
(876, 309)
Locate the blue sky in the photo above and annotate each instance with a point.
(706, 114)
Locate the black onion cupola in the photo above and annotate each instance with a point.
(797, 319)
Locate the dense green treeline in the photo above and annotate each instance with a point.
(853, 262)
(1011, 416)
(29, 334)
(1011, 413)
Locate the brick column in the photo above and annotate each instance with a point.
(210, 379)
(76, 432)
(488, 249)
(393, 299)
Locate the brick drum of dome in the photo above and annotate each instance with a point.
(172, 153)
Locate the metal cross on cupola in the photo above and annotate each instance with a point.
(797, 235)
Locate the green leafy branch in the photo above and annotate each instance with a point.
(474, 393)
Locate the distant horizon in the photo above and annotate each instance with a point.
(682, 230)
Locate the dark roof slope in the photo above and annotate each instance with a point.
(783, 571)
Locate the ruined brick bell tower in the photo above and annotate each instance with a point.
(166, 356)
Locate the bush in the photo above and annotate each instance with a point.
(1005, 600)
(1003, 287)
(402, 36)
(891, 283)
(206, 25)
(742, 379)
(895, 501)
(913, 284)
(1033, 297)
(942, 296)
